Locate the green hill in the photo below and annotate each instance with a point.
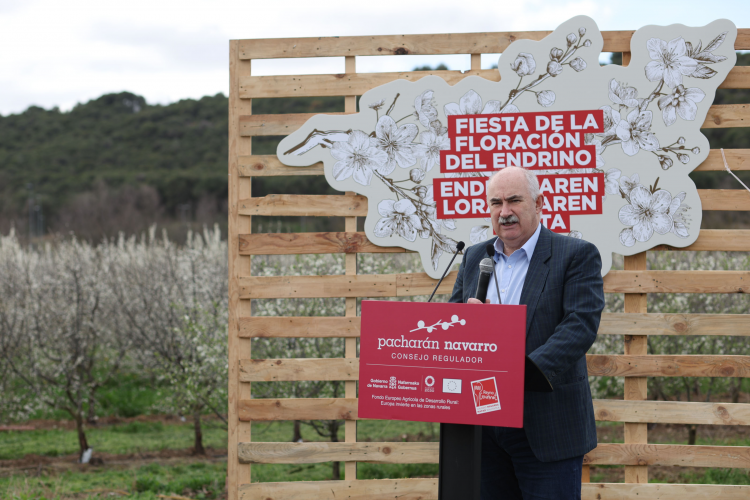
(117, 162)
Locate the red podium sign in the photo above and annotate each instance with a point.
(448, 363)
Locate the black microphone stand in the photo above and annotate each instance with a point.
(460, 455)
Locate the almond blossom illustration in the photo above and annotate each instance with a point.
(671, 63)
(651, 210)
(358, 158)
(398, 217)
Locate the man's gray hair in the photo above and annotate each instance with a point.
(531, 180)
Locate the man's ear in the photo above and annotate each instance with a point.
(539, 203)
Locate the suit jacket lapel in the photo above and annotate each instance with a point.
(536, 276)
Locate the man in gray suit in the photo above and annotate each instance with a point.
(559, 280)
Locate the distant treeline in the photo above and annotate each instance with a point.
(117, 163)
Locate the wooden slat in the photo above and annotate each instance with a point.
(268, 370)
(319, 452)
(405, 285)
(351, 206)
(719, 115)
(738, 78)
(671, 412)
(674, 324)
(309, 243)
(737, 159)
(365, 285)
(724, 199)
(301, 326)
(297, 409)
(371, 489)
(736, 457)
(611, 324)
(727, 115)
(264, 370)
(605, 410)
(668, 366)
(305, 205)
(260, 125)
(421, 284)
(677, 282)
(270, 165)
(729, 240)
(435, 44)
(726, 240)
(343, 83)
(655, 491)
(426, 489)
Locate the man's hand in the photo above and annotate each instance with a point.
(477, 301)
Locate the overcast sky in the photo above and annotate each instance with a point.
(55, 53)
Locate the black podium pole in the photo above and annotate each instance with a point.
(460, 468)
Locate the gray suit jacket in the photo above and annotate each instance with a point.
(564, 298)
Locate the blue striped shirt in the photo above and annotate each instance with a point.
(511, 271)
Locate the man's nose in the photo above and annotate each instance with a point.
(505, 211)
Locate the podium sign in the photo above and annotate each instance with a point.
(448, 363)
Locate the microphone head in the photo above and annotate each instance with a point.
(460, 246)
(487, 265)
(491, 250)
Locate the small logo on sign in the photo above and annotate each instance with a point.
(392, 384)
(455, 320)
(485, 394)
(452, 385)
(429, 382)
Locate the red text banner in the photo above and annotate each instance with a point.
(537, 141)
(449, 363)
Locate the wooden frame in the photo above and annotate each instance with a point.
(635, 412)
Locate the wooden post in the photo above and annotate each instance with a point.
(239, 188)
(350, 225)
(636, 387)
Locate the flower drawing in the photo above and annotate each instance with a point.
(634, 132)
(578, 64)
(398, 217)
(357, 158)
(471, 104)
(678, 212)
(429, 148)
(627, 184)
(545, 98)
(670, 61)
(524, 64)
(681, 102)
(478, 234)
(647, 212)
(611, 182)
(424, 108)
(622, 95)
(396, 142)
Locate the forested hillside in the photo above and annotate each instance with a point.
(119, 163)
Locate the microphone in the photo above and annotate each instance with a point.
(459, 246)
(490, 250)
(491, 253)
(486, 268)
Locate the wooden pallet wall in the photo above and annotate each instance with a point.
(635, 412)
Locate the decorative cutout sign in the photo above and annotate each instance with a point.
(612, 145)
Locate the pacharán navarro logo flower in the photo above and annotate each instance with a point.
(440, 323)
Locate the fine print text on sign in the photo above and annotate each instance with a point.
(449, 363)
(482, 144)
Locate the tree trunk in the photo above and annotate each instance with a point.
(297, 436)
(92, 409)
(198, 446)
(692, 433)
(83, 444)
(333, 428)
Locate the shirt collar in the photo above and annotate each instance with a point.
(527, 247)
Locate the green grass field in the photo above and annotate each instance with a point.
(145, 459)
